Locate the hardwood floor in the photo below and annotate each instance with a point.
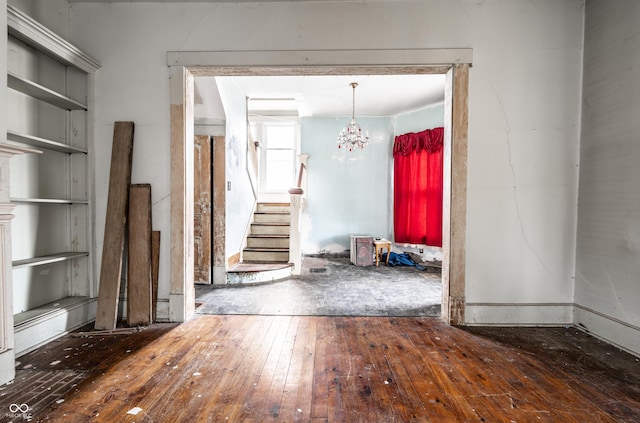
(336, 369)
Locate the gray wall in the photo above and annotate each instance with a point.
(523, 122)
(607, 289)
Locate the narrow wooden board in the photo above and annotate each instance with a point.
(115, 226)
(139, 291)
(155, 268)
(219, 206)
(202, 209)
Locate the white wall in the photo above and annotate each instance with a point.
(7, 365)
(54, 14)
(240, 197)
(208, 110)
(607, 290)
(3, 72)
(523, 122)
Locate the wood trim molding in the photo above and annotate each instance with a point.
(182, 291)
(324, 58)
(454, 223)
(454, 63)
(10, 150)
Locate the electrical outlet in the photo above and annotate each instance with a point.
(228, 185)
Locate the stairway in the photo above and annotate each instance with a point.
(266, 257)
(268, 240)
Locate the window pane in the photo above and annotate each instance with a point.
(280, 136)
(279, 172)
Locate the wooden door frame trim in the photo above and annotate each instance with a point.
(184, 66)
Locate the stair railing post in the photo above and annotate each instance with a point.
(295, 250)
(297, 198)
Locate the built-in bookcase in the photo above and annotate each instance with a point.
(53, 285)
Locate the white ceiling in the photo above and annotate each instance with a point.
(375, 95)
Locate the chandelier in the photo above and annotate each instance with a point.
(351, 135)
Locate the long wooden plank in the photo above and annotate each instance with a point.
(139, 291)
(320, 386)
(155, 270)
(202, 209)
(260, 373)
(115, 225)
(296, 397)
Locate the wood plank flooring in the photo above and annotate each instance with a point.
(336, 369)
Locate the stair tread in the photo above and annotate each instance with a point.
(277, 236)
(250, 266)
(267, 249)
(271, 223)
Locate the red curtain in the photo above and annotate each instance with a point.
(418, 187)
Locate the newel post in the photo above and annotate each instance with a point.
(297, 202)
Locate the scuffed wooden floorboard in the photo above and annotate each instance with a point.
(338, 369)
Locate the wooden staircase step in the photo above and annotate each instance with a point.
(269, 229)
(273, 207)
(272, 217)
(268, 241)
(266, 255)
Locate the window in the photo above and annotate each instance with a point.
(279, 156)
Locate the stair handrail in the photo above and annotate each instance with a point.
(298, 188)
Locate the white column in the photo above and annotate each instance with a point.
(7, 343)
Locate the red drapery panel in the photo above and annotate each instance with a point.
(418, 187)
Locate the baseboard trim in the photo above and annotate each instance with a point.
(518, 314)
(607, 328)
(42, 330)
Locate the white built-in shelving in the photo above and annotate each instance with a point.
(43, 143)
(48, 84)
(43, 93)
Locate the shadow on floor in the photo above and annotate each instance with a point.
(332, 286)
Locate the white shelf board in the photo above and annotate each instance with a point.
(21, 318)
(42, 93)
(43, 143)
(25, 28)
(48, 259)
(48, 201)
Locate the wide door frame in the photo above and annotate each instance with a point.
(184, 66)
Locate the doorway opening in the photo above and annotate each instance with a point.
(185, 66)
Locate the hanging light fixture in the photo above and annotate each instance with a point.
(351, 135)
